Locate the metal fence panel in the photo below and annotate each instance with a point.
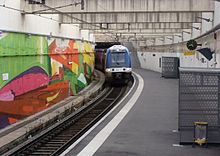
(170, 67)
(199, 102)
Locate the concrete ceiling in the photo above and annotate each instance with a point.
(126, 16)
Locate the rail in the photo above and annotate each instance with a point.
(58, 137)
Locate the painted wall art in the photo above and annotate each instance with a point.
(37, 72)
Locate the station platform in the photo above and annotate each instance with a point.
(143, 124)
(13, 134)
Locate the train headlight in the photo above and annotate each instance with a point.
(108, 70)
(128, 69)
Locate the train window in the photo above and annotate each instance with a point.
(118, 51)
(118, 59)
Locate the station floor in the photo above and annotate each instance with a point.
(148, 128)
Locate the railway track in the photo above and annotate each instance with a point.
(54, 140)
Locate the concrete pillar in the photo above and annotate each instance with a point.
(217, 13)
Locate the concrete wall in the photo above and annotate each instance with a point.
(149, 57)
(151, 5)
(85, 34)
(217, 13)
(13, 20)
(206, 26)
(38, 72)
(150, 60)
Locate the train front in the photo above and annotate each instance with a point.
(118, 64)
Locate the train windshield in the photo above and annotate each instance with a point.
(118, 59)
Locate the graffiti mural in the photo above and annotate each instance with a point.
(37, 72)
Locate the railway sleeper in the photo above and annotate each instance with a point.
(91, 115)
(79, 125)
(87, 118)
(26, 152)
(78, 128)
(52, 145)
(61, 139)
(46, 139)
(83, 123)
(110, 99)
(100, 109)
(48, 147)
(40, 153)
(67, 125)
(57, 131)
(69, 132)
(45, 150)
(103, 105)
(65, 135)
(97, 110)
(36, 145)
(56, 142)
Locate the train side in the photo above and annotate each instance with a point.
(100, 59)
(115, 62)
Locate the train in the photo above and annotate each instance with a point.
(114, 60)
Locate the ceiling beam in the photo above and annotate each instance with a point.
(125, 5)
(135, 17)
(139, 25)
(146, 31)
(127, 17)
(109, 12)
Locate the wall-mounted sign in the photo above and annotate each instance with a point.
(189, 53)
(206, 52)
(191, 44)
(5, 76)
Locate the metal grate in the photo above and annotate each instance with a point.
(170, 67)
(199, 102)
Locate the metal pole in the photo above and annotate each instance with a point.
(215, 49)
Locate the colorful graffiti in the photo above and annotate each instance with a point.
(37, 72)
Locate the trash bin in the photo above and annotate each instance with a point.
(200, 133)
